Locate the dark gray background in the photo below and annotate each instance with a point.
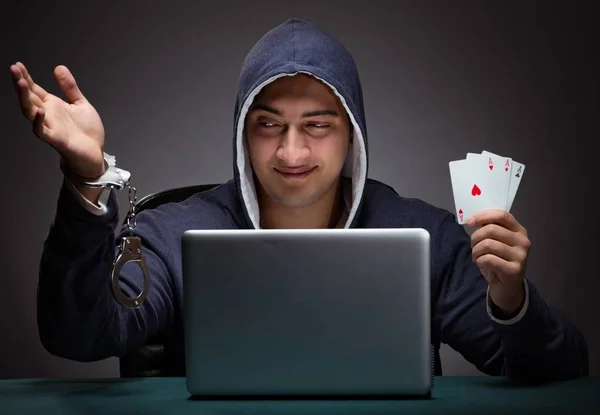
(440, 79)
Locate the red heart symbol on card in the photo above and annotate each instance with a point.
(491, 166)
(460, 211)
(475, 191)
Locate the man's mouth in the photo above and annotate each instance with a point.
(296, 172)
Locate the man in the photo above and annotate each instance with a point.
(300, 162)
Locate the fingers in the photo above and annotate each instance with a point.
(15, 71)
(500, 250)
(31, 104)
(23, 93)
(499, 266)
(33, 87)
(498, 233)
(497, 216)
(28, 101)
(67, 84)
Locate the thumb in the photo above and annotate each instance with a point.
(67, 84)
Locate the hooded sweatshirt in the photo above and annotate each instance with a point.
(79, 319)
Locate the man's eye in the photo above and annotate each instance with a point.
(319, 125)
(265, 124)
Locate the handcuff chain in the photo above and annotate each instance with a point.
(131, 214)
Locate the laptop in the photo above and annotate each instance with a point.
(307, 313)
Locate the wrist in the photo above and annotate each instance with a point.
(111, 176)
(76, 175)
(507, 304)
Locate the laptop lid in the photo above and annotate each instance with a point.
(307, 312)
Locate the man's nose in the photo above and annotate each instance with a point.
(293, 148)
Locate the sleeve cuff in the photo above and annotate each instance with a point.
(515, 319)
(98, 210)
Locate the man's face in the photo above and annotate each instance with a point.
(297, 133)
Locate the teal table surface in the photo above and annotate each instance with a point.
(480, 395)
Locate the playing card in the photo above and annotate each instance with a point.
(515, 179)
(500, 168)
(478, 184)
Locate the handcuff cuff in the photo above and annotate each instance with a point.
(130, 247)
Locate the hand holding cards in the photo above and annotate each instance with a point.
(484, 187)
(484, 181)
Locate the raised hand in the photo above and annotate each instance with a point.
(73, 127)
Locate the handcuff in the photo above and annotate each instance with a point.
(130, 247)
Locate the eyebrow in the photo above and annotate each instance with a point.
(305, 115)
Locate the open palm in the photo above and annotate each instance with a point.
(74, 128)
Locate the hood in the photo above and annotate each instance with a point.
(293, 47)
